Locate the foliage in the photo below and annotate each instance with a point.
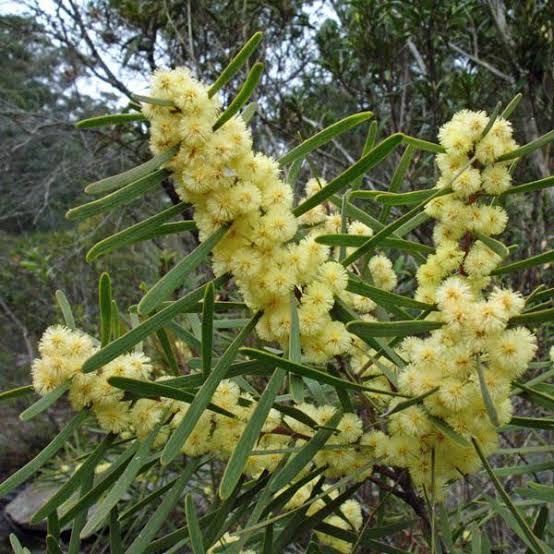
(289, 469)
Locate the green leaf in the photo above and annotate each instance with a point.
(531, 186)
(268, 540)
(174, 278)
(44, 402)
(146, 389)
(447, 431)
(384, 298)
(130, 176)
(236, 63)
(194, 527)
(508, 501)
(16, 392)
(151, 100)
(53, 526)
(16, 545)
(305, 523)
(105, 304)
(533, 422)
(116, 545)
(309, 372)
(356, 240)
(424, 145)
(136, 232)
(295, 352)
(528, 148)
(52, 546)
(138, 506)
(305, 455)
(487, 399)
(65, 307)
(75, 481)
(144, 329)
(523, 469)
(398, 177)
(539, 259)
(411, 402)
(373, 241)
(324, 136)
(109, 119)
(492, 119)
(359, 168)
(512, 105)
(121, 485)
(204, 395)
(250, 435)
(533, 318)
(119, 197)
(249, 111)
(91, 494)
(22, 474)
(405, 198)
(495, 245)
(207, 329)
(161, 515)
(392, 328)
(80, 520)
(243, 95)
(537, 491)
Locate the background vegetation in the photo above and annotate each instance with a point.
(412, 63)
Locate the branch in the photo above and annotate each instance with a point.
(482, 63)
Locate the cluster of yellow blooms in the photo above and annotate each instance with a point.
(228, 184)
(63, 351)
(274, 257)
(475, 336)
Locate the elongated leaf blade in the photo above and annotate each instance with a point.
(16, 392)
(119, 197)
(105, 304)
(22, 474)
(528, 148)
(65, 307)
(539, 259)
(531, 186)
(204, 395)
(392, 328)
(309, 372)
(243, 95)
(160, 516)
(207, 329)
(121, 485)
(109, 119)
(346, 177)
(385, 298)
(324, 136)
(236, 63)
(196, 540)
(174, 278)
(144, 329)
(44, 402)
(130, 176)
(75, 481)
(533, 539)
(305, 455)
(424, 145)
(250, 435)
(144, 389)
(134, 233)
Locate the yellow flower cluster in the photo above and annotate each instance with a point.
(268, 254)
(63, 352)
(475, 337)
